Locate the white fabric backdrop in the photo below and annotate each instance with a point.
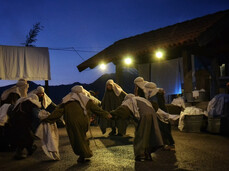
(31, 63)
(166, 74)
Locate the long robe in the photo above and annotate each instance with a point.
(77, 124)
(24, 120)
(110, 102)
(5, 131)
(11, 99)
(158, 101)
(147, 134)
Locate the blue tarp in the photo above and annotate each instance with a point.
(219, 106)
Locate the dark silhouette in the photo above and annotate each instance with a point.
(31, 37)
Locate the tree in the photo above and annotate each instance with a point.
(31, 37)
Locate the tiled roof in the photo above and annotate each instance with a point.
(186, 33)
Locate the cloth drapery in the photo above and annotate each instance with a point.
(31, 63)
(3, 114)
(48, 133)
(189, 111)
(167, 74)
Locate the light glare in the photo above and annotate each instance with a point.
(128, 61)
(159, 54)
(102, 66)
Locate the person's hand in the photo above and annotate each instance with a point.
(109, 116)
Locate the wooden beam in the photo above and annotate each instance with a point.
(187, 69)
(119, 74)
(215, 76)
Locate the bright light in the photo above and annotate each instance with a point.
(159, 54)
(102, 66)
(128, 61)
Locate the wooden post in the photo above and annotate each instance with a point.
(119, 74)
(47, 87)
(187, 69)
(215, 69)
(150, 75)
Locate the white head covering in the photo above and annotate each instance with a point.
(116, 88)
(93, 98)
(23, 87)
(32, 98)
(46, 100)
(80, 94)
(140, 82)
(20, 88)
(131, 102)
(150, 89)
(6, 93)
(40, 89)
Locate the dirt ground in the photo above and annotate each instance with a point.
(194, 151)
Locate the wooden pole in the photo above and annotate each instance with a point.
(215, 69)
(47, 87)
(150, 72)
(119, 74)
(187, 69)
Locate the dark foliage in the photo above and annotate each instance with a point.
(31, 37)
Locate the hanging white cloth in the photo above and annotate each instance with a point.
(195, 94)
(168, 74)
(31, 63)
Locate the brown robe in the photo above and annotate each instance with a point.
(147, 134)
(77, 124)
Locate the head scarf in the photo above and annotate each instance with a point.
(79, 94)
(131, 102)
(32, 98)
(23, 87)
(20, 88)
(40, 89)
(6, 93)
(140, 82)
(150, 90)
(115, 87)
(46, 100)
(88, 94)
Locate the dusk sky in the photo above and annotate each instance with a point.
(90, 26)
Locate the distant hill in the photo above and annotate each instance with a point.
(56, 93)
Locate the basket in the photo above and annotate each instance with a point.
(193, 123)
(214, 125)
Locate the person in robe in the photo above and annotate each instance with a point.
(113, 97)
(24, 121)
(46, 103)
(7, 102)
(147, 133)
(11, 95)
(76, 108)
(139, 83)
(156, 97)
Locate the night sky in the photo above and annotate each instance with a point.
(90, 26)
